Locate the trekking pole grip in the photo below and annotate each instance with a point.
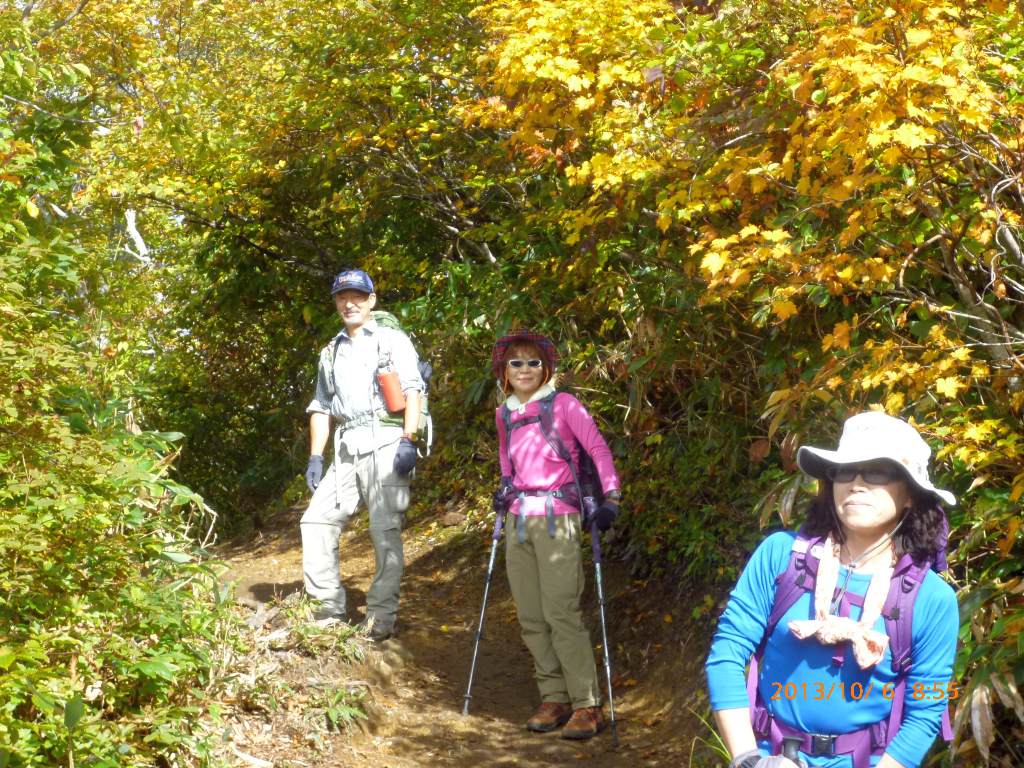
(499, 522)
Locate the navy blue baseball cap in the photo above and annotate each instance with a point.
(355, 279)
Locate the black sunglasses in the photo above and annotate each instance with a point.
(520, 363)
(871, 475)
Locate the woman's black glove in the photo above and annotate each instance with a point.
(314, 472)
(405, 457)
(498, 498)
(605, 515)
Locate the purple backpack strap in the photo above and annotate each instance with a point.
(791, 584)
(898, 612)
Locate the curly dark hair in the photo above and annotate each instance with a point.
(922, 533)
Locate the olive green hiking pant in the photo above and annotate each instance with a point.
(546, 576)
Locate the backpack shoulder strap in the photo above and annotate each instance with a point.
(506, 425)
(898, 611)
(547, 426)
(385, 345)
(546, 418)
(331, 350)
(798, 578)
(790, 585)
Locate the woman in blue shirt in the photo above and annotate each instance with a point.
(826, 677)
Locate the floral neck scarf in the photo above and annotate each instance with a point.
(868, 645)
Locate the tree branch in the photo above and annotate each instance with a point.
(60, 24)
(68, 118)
(27, 13)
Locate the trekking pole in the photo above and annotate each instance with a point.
(498, 523)
(596, 545)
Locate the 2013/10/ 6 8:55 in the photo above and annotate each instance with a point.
(858, 692)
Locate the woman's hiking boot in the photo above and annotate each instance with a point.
(584, 723)
(549, 716)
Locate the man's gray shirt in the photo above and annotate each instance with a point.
(356, 392)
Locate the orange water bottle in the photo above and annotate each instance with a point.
(391, 389)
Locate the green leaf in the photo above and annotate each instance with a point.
(43, 703)
(819, 96)
(73, 711)
(639, 363)
(157, 668)
(175, 557)
(7, 657)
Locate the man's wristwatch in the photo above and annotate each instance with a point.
(615, 495)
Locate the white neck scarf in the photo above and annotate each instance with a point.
(514, 402)
(868, 645)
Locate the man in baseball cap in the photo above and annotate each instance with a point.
(374, 454)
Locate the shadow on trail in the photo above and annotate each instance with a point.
(442, 595)
(657, 655)
(267, 591)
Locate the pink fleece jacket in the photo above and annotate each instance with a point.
(538, 466)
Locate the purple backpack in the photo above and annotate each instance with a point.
(898, 611)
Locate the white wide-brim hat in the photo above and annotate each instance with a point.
(875, 435)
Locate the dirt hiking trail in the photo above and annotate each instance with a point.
(413, 684)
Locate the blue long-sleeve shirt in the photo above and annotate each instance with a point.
(821, 697)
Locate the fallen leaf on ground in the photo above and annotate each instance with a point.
(650, 722)
(583, 755)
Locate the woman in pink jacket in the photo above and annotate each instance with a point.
(543, 536)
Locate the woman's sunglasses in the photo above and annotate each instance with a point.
(871, 475)
(520, 363)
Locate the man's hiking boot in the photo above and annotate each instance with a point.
(380, 630)
(550, 715)
(584, 723)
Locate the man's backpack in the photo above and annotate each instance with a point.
(898, 612)
(384, 349)
(586, 483)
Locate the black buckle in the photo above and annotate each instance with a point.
(822, 744)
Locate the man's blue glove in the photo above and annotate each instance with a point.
(499, 495)
(405, 457)
(605, 515)
(314, 472)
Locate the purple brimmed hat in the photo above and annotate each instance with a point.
(506, 341)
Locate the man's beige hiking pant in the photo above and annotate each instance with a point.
(370, 477)
(546, 576)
